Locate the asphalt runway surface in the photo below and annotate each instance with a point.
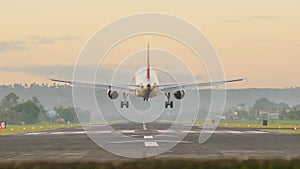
(73, 144)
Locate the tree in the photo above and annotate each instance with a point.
(37, 102)
(9, 101)
(282, 107)
(296, 107)
(262, 104)
(68, 114)
(27, 111)
(294, 115)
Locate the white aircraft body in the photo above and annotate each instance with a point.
(147, 86)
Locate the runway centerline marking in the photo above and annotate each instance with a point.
(151, 144)
(148, 137)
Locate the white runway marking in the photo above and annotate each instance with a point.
(127, 131)
(227, 132)
(33, 134)
(173, 141)
(148, 137)
(164, 133)
(256, 132)
(68, 132)
(151, 144)
(157, 141)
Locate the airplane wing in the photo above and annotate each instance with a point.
(173, 87)
(126, 88)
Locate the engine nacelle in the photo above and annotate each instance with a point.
(179, 94)
(112, 94)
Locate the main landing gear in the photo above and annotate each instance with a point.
(168, 102)
(125, 103)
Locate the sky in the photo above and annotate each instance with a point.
(258, 40)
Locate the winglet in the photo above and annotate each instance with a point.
(148, 64)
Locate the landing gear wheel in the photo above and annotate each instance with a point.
(124, 103)
(127, 104)
(168, 102)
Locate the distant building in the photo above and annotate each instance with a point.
(273, 116)
(52, 113)
(241, 107)
(60, 120)
(261, 112)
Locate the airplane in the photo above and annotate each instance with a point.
(146, 86)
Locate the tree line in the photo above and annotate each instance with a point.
(263, 108)
(31, 111)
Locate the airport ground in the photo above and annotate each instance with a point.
(70, 145)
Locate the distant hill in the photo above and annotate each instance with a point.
(52, 96)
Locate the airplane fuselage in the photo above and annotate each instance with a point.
(147, 85)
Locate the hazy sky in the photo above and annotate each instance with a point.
(255, 39)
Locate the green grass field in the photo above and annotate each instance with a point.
(282, 126)
(273, 124)
(13, 129)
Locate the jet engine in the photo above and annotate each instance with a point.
(179, 94)
(112, 94)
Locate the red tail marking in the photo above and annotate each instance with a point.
(148, 64)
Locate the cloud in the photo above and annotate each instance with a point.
(41, 40)
(31, 40)
(104, 74)
(252, 18)
(47, 40)
(57, 71)
(14, 45)
(52, 70)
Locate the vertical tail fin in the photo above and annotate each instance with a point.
(148, 64)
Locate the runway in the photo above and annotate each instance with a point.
(73, 144)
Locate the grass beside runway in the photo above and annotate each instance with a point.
(162, 164)
(280, 126)
(272, 124)
(14, 129)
